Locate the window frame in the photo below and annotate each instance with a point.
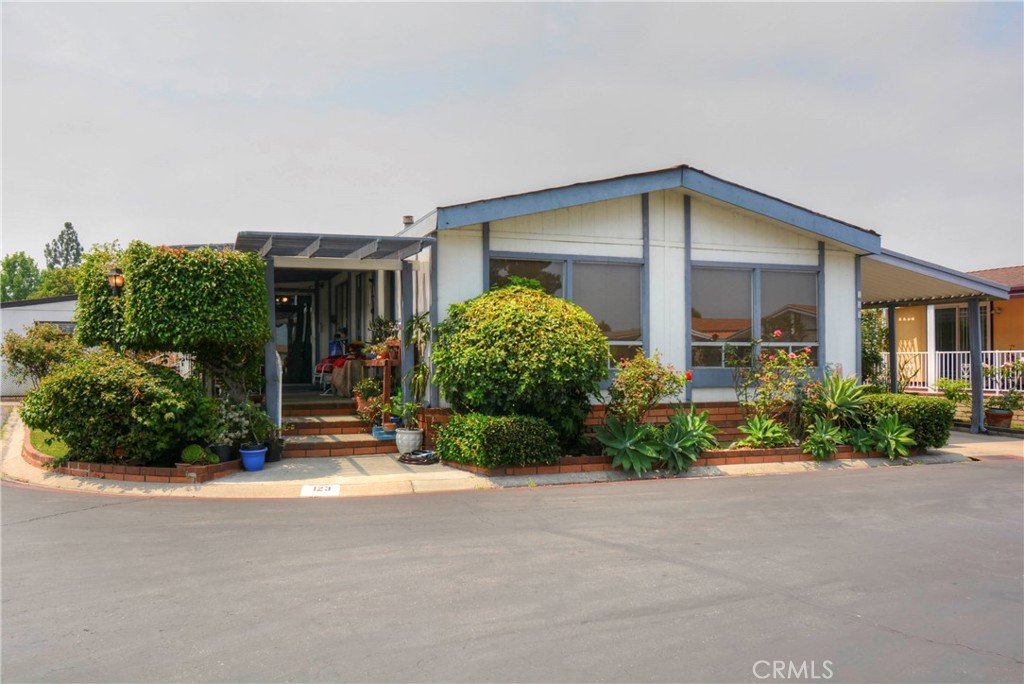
(568, 260)
(721, 376)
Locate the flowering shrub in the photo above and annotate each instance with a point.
(1008, 375)
(641, 384)
(768, 384)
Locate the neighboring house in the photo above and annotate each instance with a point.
(22, 315)
(676, 261)
(933, 342)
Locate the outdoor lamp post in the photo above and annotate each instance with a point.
(116, 281)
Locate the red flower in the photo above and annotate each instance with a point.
(689, 375)
(777, 333)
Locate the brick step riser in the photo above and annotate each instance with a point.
(293, 412)
(335, 452)
(328, 444)
(354, 429)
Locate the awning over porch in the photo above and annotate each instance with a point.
(330, 246)
(895, 279)
(890, 279)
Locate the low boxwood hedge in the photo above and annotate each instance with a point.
(498, 441)
(930, 417)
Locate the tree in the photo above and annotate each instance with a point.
(65, 250)
(56, 282)
(38, 352)
(19, 277)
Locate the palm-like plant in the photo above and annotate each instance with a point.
(823, 439)
(763, 433)
(632, 446)
(685, 437)
(842, 399)
(892, 437)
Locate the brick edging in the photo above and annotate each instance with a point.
(182, 473)
(576, 464)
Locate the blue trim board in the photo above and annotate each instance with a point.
(456, 216)
(687, 293)
(746, 266)
(435, 396)
(645, 278)
(541, 256)
(858, 340)
(486, 235)
(822, 328)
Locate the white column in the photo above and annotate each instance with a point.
(930, 348)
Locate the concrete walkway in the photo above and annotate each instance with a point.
(379, 475)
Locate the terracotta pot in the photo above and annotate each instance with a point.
(998, 417)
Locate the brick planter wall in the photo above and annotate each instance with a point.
(576, 464)
(724, 415)
(180, 474)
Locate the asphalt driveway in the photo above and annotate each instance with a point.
(887, 574)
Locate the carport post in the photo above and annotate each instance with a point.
(977, 381)
(407, 348)
(894, 362)
(271, 362)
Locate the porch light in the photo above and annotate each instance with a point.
(116, 281)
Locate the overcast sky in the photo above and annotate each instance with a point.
(183, 123)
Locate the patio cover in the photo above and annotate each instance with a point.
(330, 246)
(890, 279)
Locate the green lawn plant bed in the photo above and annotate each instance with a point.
(46, 443)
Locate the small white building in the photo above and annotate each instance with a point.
(20, 316)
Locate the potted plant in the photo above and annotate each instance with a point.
(409, 437)
(259, 429)
(391, 413)
(231, 431)
(367, 388)
(999, 409)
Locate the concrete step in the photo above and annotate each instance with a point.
(325, 425)
(312, 446)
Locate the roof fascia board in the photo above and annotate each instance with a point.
(338, 264)
(539, 201)
(983, 287)
(773, 208)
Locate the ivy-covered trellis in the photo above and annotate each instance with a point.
(211, 304)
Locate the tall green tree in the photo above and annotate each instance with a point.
(19, 277)
(65, 250)
(55, 282)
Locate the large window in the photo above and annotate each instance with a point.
(727, 313)
(608, 291)
(952, 330)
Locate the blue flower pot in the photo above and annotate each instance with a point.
(253, 459)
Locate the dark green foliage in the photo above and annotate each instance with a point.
(684, 438)
(39, 351)
(836, 399)
(633, 446)
(763, 433)
(823, 439)
(861, 440)
(19, 277)
(874, 342)
(930, 418)
(101, 401)
(65, 250)
(57, 282)
(498, 441)
(194, 454)
(368, 388)
(211, 304)
(518, 351)
(957, 391)
(891, 437)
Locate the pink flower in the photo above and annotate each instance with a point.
(777, 333)
(792, 355)
(807, 350)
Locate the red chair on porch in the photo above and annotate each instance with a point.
(324, 369)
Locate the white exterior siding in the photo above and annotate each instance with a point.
(668, 265)
(723, 234)
(840, 308)
(460, 267)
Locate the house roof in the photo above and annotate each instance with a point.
(891, 278)
(1011, 276)
(685, 177)
(36, 302)
(272, 244)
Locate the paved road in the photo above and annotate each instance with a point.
(889, 574)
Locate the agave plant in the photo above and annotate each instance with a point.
(861, 440)
(823, 439)
(763, 433)
(892, 437)
(843, 399)
(685, 437)
(631, 445)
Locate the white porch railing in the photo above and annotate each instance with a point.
(914, 368)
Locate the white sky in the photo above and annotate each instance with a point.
(182, 123)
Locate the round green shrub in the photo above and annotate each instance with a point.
(498, 441)
(931, 418)
(103, 401)
(519, 351)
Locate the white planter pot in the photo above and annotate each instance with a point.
(408, 440)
